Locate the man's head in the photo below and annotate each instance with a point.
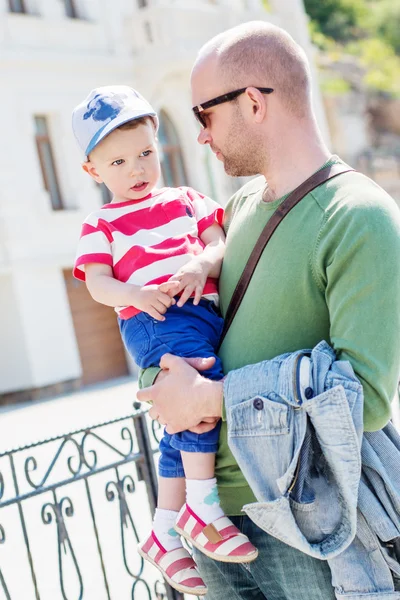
(258, 57)
(116, 129)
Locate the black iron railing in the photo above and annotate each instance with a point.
(71, 511)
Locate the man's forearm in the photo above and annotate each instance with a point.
(212, 402)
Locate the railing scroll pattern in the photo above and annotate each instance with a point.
(75, 505)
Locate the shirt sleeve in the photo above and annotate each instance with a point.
(206, 211)
(357, 266)
(147, 376)
(94, 246)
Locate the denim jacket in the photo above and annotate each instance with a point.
(298, 439)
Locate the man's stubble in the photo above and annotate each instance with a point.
(244, 154)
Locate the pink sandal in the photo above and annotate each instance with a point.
(219, 540)
(176, 566)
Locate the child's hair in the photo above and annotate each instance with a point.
(134, 123)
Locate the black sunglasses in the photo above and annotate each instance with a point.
(220, 100)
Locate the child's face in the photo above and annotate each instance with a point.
(127, 162)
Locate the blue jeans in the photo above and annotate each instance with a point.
(279, 573)
(187, 331)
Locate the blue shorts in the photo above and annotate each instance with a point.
(188, 331)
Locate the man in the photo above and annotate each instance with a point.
(331, 271)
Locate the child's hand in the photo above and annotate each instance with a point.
(156, 299)
(191, 278)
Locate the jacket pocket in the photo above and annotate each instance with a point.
(259, 416)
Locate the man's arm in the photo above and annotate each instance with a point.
(356, 264)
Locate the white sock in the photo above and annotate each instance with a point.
(202, 497)
(163, 527)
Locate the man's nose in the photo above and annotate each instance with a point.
(204, 137)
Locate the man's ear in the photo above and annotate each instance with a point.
(258, 104)
(89, 168)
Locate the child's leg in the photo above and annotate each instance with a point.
(201, 520)
(163, 547)
(171, 494)
(171, 497)
(201, 485)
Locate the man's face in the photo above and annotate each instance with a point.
(232, 140)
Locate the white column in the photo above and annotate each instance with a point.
(15, 372)
(54, 9)
(47, 325)
(114, 15)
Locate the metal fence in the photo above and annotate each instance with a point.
(72, 511)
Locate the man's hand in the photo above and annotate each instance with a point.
(183, 399)
(191, 279)
(155, 299)
(200, 364)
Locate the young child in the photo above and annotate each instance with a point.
(155, 256)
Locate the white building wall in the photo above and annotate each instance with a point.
(46, 321)
(14, 357)
(48, 64)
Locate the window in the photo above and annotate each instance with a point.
(172, 165)
(17, 6)
(70, 9)
(47, 163)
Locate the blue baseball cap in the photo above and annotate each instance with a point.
(105, 109)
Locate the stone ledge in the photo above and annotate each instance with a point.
(48, 391)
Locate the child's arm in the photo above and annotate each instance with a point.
(152, 299)
(192, 276)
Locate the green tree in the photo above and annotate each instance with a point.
(338, 19)
(383, 20)
(368, 30)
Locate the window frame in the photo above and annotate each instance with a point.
(13, 9)
(41, 140)
(172, 150)
(71, 10)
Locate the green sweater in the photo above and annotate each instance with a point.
(330, 272)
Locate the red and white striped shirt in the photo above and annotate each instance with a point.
(147, 241)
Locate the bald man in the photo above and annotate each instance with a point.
(331, 271)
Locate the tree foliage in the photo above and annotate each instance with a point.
(384, 20)
(349, 20)
(337, 19)
(367, 29)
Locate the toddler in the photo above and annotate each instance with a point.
(155, 256)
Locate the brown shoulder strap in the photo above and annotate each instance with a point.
(283, 209)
